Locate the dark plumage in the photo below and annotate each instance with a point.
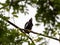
(28, 26)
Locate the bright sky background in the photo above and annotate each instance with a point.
(24, 18)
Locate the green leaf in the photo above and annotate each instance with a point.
(38, 39)
(37, 24)
(7, 9)
(13, 12)
(15, 15)
(32, 44)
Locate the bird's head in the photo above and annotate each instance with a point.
(30, 20)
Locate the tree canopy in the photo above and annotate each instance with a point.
(48, 13)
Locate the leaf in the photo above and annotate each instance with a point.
(13, 12)
(7, 9)
(37, 24)
(38, 39)
(15, 15)
(32, 44)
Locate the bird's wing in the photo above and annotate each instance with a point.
(26, 25)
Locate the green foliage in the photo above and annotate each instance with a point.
(10, 36)
(47, 13)
(38, 39)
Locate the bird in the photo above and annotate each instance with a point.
(28, 26)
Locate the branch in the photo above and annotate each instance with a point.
(22, 30)
(31, 31)
(45, 36)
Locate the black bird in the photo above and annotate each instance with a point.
(28, 26)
